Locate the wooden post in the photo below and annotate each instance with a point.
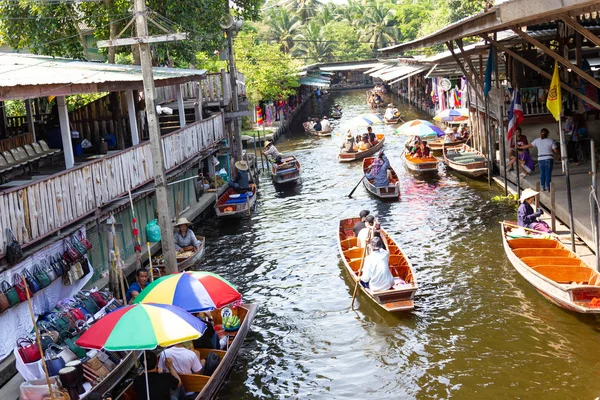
(198, 103)
(180, 106)
(131, 113)
(115, 108)
(553, 206)
(537, 189)
(30, 119)
(65, 131)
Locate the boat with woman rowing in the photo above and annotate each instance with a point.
(344, 156)
(400, 297)
(555, 272)
(287, 172)
(391, 191)
(234, 204)
(421, 166)
(466, 161)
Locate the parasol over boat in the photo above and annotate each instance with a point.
(419, 127)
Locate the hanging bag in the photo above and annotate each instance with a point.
(4, 304)
(32, 283)
(41, 277)
(54, 363)
(20, 288)
(81, 249)
(83, 240)
(57, 266)
(14, 254)
(49, 270)
(28, 350)
(10, 292)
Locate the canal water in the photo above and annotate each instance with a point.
(478, 331)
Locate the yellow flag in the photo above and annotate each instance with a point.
(554, 101)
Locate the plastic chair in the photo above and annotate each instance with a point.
(48, 149)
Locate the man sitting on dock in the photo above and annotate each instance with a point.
(271, 152)
(376, 274)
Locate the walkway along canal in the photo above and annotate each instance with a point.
(478, 329)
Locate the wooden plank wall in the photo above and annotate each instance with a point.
(101, 117)
(35, 210)
(16, 141)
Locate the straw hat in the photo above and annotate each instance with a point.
(268, 143)
(241, 165)
(527, 194)
(183, 221)
(349, 135)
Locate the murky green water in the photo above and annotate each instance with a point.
(478, 331)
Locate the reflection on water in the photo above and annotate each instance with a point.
(478, 331)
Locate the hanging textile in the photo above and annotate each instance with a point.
(259, 116)
(269, 112)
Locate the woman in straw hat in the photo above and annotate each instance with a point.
(271, 152)
(528, 218)
(241, 182)
(185, 239)
(348, 145)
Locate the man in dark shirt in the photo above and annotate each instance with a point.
(317, 126)
(360, 225)
(160, 384)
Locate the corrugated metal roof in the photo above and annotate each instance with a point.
(21, 74)
(348, 67)
(399, 71)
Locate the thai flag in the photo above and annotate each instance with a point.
(515, 114)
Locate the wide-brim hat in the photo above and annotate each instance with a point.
(349, 135)
(241, 165)
(268, 143)
(449, 130)
(527, 194)
(182, 221)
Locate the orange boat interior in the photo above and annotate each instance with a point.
(424, 160)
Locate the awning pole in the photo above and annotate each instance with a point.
(565, 161)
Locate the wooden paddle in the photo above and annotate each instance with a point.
(361, 179)
(362, 263)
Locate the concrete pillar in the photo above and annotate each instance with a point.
(180, 106)
(65, 131)
(30, 119)
(133, 126)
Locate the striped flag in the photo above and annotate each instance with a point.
(515, 114)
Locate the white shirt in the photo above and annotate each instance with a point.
(544, 147)
(184, 361)
(376, 271)
(325, 126)
(363, 237)
(389, 113)
(272, 151)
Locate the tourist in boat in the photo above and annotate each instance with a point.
(325, 125)
(526, 163)
(364, 144)
(366, 233)
(376, 274)
(348, 145)
(141, 280)
(528, 218)
(185, 239)
(413, 144)
(372, 136)
(185, 361)
(379, 171)
(161, 385)
(272, 153)
(423, 151)
(241, 182)
(317, 126)
(389, 112)
(337, 110)
(359, 226)
(546, 149)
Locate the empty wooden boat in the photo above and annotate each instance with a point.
(554, 271)
(391, 191)
(343, 156)
(309, 129)
(438, 144)
(233, 204)
(421, 166)
(400, 298)
(287, 172)
(466, 161)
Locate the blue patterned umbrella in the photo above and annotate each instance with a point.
(418, 127)
(366, 120)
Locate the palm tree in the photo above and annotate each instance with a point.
(379, 28)
(353, 12)
(311, 46)
(305, 9)
(284, 27)
(327, 13)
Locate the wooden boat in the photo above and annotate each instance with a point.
(108, 386)
(287, 172)
(438, 144)
(392, 121)
(308, 129)
(231, 204)
(392, 191)
(554, 271)
(400, 298)
(184, 260)
(348, 157)
(336, 115)
(420, 166)
(205, 386)
(466, 161)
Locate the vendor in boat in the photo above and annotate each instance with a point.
(272, 153)
(241, 182)
(376, 274)
(317, 126)
(359, 226)
(372, 136)
(526, 217)
(423, 151)
(185, 239)
(325, 125)
(389, 112)
(348, 145)
(379, 171)
(161, 385)
(337, 110)
(141, 280)
(364, 144)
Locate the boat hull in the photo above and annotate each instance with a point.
(390, 192)
(421, 166)
(286, 175)
(307, 129)
(438, 145)
(395, 300)
(359, 155)
(238, 210)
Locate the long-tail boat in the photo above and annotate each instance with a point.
(466, 161)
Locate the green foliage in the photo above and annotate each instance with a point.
(79, 100)
(346, 43)
(269, 72)
(15, 108)
(210, 63)
(311, 45)
(460, 9)
(284, 27)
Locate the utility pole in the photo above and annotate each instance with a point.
(237, 128)
(160, 181)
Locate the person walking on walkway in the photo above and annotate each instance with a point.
(546, 149)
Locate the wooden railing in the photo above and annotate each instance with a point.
(41, 208)
(216, 88)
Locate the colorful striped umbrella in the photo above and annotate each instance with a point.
(193, 291)
(418, 127)
(451, 115)
(366, 120)
(142, 327)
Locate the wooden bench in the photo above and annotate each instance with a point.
(581, 275)
(558, 261)
(526, 252)
(531, 243)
